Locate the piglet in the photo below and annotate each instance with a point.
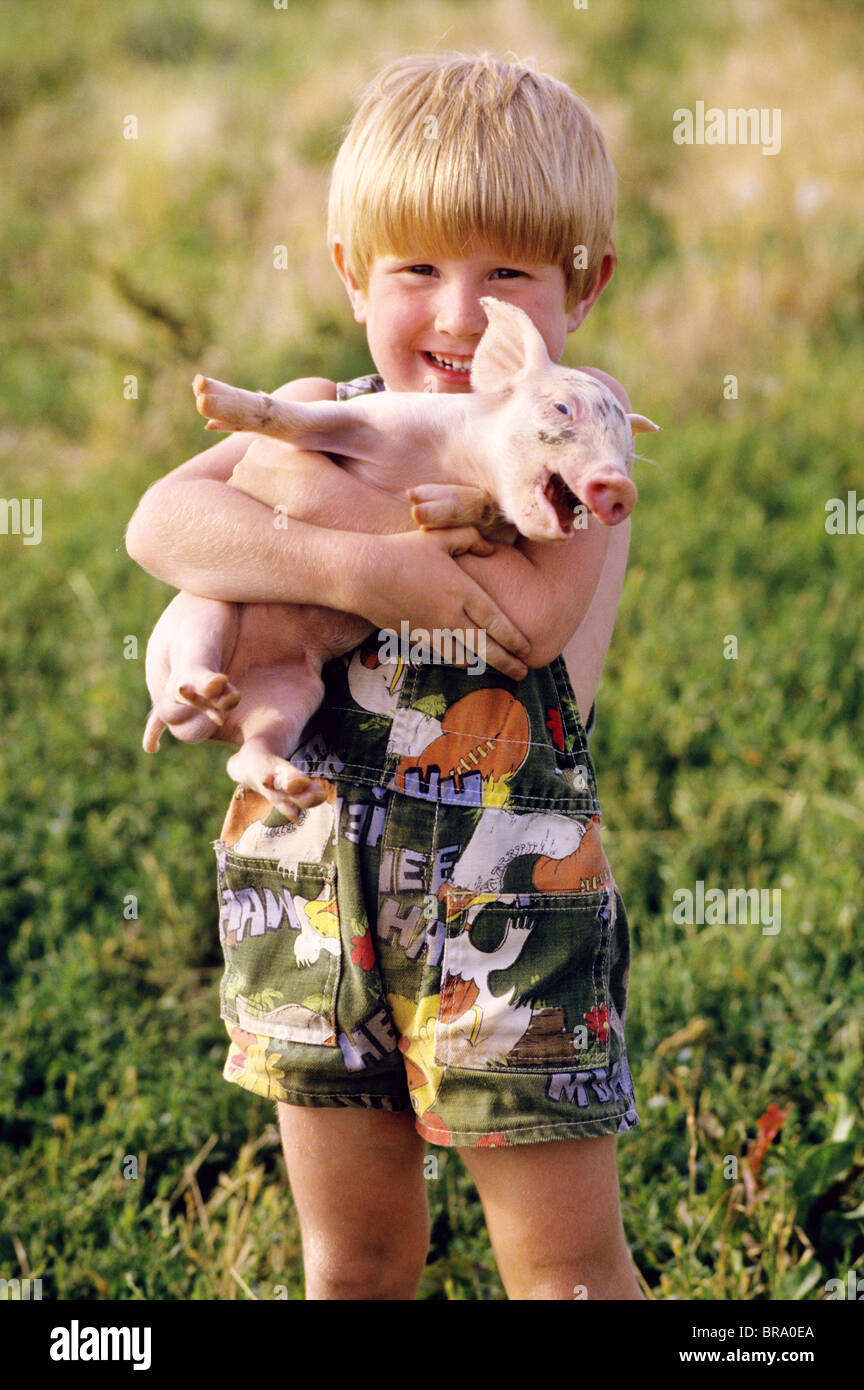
(530, 442)
(527, 447)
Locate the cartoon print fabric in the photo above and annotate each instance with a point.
(444, 933)
(419, 941)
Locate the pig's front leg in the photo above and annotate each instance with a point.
(232, 408)
(437, 506)
(277, 702)
(188, 652)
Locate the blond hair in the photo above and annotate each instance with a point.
(445, 148)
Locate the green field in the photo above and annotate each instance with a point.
(152, 258)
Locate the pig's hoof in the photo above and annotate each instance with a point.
(203, 388)
(217, 400)
(289, 789)
(209, 691)
(300, 790)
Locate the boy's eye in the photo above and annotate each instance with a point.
(505, 271)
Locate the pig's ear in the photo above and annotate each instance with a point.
(640, 424)
(510, 344)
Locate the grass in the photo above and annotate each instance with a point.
(128, 1168)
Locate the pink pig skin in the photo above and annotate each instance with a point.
(517, 453)
(535, 436)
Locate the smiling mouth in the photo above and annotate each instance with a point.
(563, 499)
(458, 365)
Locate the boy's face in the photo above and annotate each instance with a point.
(421, 309)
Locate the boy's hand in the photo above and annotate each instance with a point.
(413, 576)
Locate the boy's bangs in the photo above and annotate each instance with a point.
(446, 152)
(437, 206)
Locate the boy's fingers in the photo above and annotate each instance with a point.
(473, 654)
(504, 642)
(503, 638)
(503, 660)
(482, 546)
(460, 539)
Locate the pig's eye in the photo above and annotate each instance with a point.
(565, 409)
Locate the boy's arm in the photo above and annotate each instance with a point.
(195, 532)
(546, 589)
(585, 653)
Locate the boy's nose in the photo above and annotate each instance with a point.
(459, 314)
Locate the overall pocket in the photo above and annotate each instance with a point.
(525, 983)
(281, 939)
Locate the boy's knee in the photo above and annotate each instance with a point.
(591, 1269)
(382, 1270)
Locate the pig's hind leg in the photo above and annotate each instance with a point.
(277, 702)
(189, 649)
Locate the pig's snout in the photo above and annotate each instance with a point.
(610, 497)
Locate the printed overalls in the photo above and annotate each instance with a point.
(444, 934)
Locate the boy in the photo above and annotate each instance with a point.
(443, 940)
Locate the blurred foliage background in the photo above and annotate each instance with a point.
(152, 258)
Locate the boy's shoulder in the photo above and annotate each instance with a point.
(319, 388)
(306, 388)
(614, 386)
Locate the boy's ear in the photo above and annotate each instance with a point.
(355, 294)
(604, 275)
(510, 344)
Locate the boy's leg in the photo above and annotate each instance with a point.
(358, 1185)
(554, 1218)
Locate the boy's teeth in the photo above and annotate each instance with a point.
(450, 364)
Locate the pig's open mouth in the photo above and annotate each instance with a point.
(563, 500)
